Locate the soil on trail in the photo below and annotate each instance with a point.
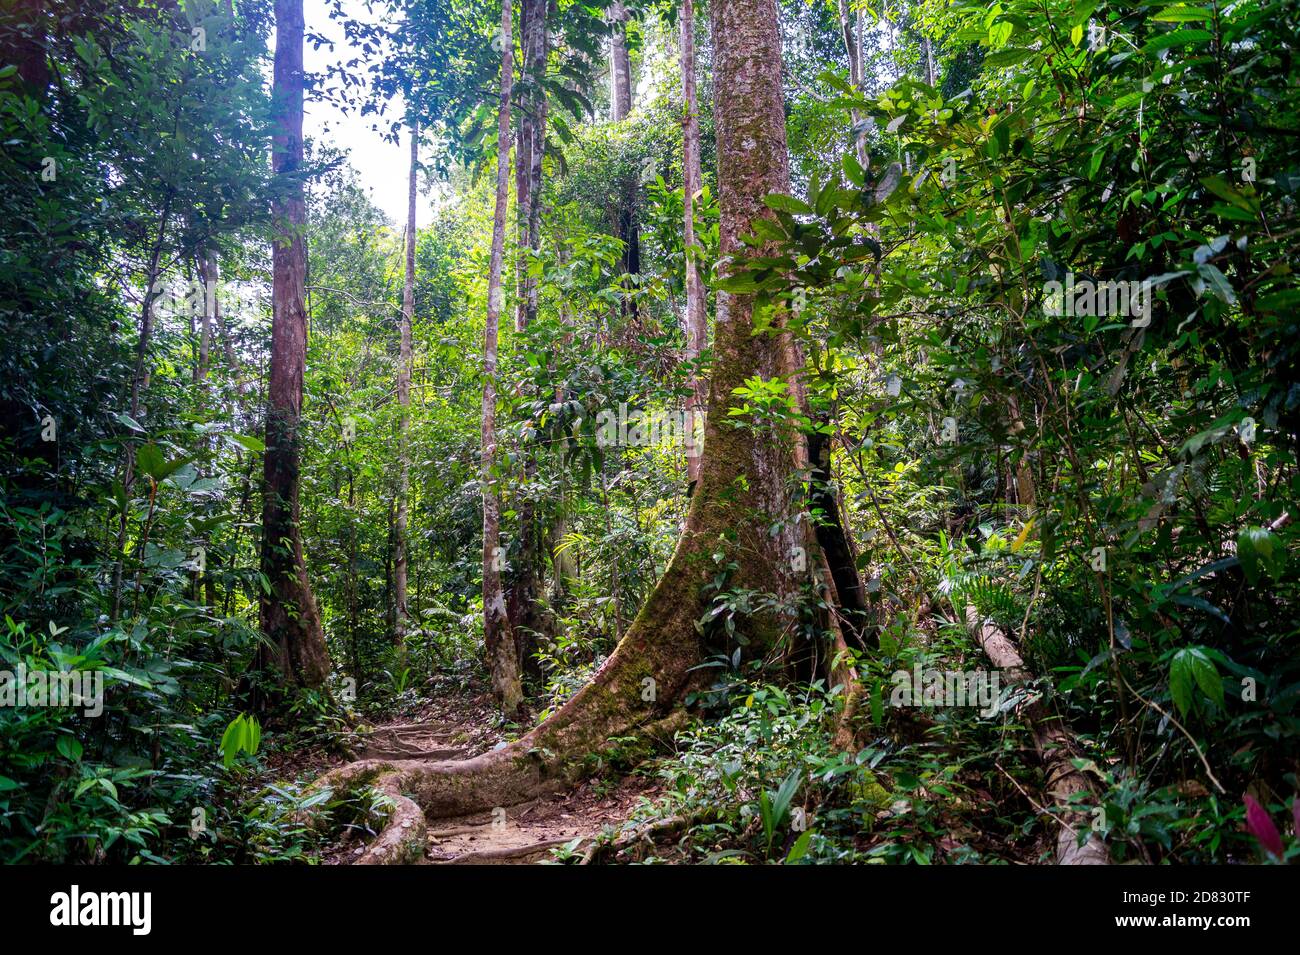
(529, 833)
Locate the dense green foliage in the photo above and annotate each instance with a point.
(1118, 492)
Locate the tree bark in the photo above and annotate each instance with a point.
(498, 636)
(25, 45)
(744, 492)
(836, 544)
(696, 315)
(404, 401)
(620, 67)
(206, 263)
(288, 613)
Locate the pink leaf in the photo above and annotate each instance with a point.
(1259, 823)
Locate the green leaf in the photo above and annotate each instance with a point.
(230, 741)
(1220, 188)
(1217, 282)
(150, 460)
(742, 283)
(1009, 56)
(1259, 549)
(1177, 38)
(1191, 666)
(1181, 14)
(69, 748)
(800, 847)
(1207, 678)
(244, 734)
(122, 675)
(780, 203)
(249, 442)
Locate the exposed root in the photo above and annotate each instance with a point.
(634, 695)
(533, 852)
(403, 837)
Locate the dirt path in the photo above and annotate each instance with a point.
(513, 835)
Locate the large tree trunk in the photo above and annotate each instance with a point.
(696, 317)
(24, 45)
(498, 636)
(288, 613)
(404, 400)
(744, 491)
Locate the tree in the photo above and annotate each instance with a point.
(620, 68)
(498, 636)
(530, 146)
(741, 521)
(851, 33)
(529, 151)
(289, 619)
(404, 399)
(620, 107)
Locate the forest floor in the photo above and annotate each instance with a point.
(563, 827)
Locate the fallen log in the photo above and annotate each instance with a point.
(1056, 748)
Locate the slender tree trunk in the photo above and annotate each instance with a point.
(620, 71)
(404, 401)
(498, 636)
(1057, 749)
(138, 377)
(696, 315)
(530, 145)
(850, 32)
(620, 68)
(205, 261)
(540, 48)
(288, 612)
